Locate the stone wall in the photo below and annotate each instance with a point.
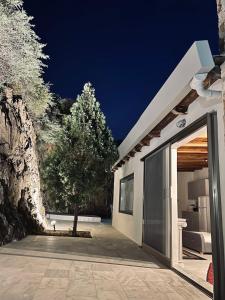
(21, 209)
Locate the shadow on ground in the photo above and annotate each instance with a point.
(106, 243)
(108, 266)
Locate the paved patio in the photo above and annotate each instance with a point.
(108, 266)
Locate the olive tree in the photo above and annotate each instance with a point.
(79, 167)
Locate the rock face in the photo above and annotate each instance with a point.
(21, 209)
(221, 24)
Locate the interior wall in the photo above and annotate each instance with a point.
(182, 190)
(182, 187)
(201, 174)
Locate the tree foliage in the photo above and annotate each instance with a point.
(78, 170)
(49, 125)
(21, 56)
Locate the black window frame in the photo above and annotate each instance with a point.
(123, 180)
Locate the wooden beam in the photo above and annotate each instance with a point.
(180, 110)
(165, 121)
(188, 164)
(192, 165)
(138, 147)
(186, 156)
(154, 133)
(189, 169)
(203, 145)
(132, 153)
(199, 140)
(146, 141)
(192, 149)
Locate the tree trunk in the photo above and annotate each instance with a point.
(74, 233)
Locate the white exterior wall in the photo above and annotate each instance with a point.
(198, 59)
(131, 225)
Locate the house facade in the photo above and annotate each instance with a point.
(169, 191)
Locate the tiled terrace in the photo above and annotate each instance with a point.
(108, 266)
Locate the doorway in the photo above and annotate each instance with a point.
(193, 208)
(197, 239)
(182, 209)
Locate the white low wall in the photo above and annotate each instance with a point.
(89, 219)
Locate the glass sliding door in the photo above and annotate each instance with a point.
(157, 201)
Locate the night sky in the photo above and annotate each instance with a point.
(126, 48)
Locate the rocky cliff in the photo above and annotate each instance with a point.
(21, 209)
(221, 24)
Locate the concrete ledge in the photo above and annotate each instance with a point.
(88, 219)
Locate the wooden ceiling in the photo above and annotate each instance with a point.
(193, 156)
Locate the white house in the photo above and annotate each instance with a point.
(169, 181)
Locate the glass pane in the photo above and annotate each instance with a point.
(127, 194)
(156, 202)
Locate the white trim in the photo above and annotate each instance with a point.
(71, 218)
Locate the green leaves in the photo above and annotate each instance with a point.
(83, 154)
(21, 57)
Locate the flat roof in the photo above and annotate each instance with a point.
(198, 59)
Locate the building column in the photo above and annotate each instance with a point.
(181, 224)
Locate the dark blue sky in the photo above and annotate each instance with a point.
(126, 48)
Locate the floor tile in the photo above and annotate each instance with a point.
(110, 295)
(50, 294)
(55, 273)
(85, 290)
(54, 283)
(108, 266)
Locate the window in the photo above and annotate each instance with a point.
(127, 194)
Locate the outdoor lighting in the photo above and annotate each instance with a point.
(181, 123)
(53, 223)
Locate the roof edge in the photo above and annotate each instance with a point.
(198, 59)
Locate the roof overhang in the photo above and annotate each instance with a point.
(198, 59)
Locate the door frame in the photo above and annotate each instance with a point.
(215, 207)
